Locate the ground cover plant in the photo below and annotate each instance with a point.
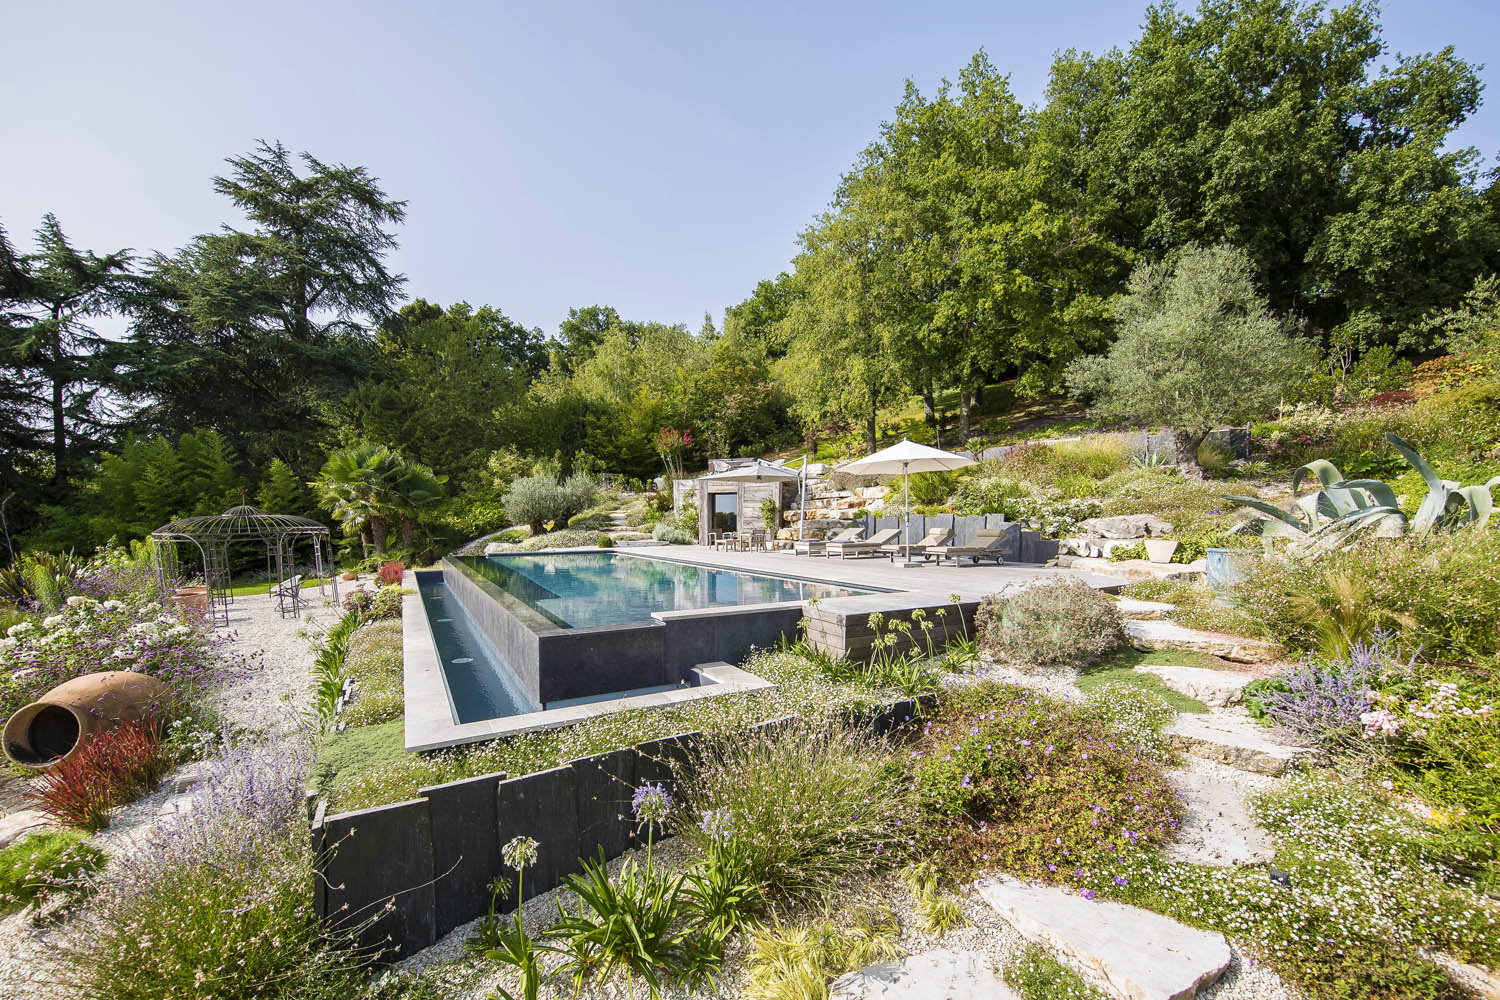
(373, 663)
(797, 960)
(1011, 779)
(1037, 974)
(1368, 887)
(41, 864)
(1118, 668)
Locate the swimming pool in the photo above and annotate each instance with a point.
(589, 589)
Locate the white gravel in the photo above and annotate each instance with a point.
(276, 697)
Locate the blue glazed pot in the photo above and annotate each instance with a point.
(1225, 567)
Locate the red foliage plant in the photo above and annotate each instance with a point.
(390, 572)
(1397, 397)
(112, 768)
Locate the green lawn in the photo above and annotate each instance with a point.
(248, 589)
(1121, 666)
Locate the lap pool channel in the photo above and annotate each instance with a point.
(480, 685)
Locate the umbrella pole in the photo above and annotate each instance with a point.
(906, 489)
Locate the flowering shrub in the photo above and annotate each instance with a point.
(88, 635)
(218, 903)
(390, 573)
(1010, 779)
(1326, 699)
(1058, 622)
(112, 768)
(387, 602)
(799, 807)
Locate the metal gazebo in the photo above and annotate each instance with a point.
(211, 536)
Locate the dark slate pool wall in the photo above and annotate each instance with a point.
(420, 868)
(557, 664)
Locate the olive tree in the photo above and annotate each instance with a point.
(1197, 347)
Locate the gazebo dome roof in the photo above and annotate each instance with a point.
(242, 522)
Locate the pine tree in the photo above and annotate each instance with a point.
(282, 492)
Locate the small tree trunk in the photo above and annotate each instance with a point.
(408, 532)
(929, 405)
(963, 415)
(378, 532)
(1185, 445)
(870, 441)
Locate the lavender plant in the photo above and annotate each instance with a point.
(1323, 699)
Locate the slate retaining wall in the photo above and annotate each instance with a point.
(422, 867)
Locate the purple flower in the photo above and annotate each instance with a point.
(1086, 893)
(651, 803)
(718, 824)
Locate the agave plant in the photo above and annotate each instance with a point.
(1344, 507)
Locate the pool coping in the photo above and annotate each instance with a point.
(428, 722)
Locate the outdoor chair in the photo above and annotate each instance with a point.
(288, 595)
(987, 544)
(869, 546)
(935, 537)
(818, 546)
(754, 542)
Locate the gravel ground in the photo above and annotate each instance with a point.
(278, 694)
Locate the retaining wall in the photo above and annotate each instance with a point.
(422, 867)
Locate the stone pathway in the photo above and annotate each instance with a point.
(1159, 634)
(1215, 688)
(1218, 828)
(1231, 737)
(1131, 607)
(1142, 955)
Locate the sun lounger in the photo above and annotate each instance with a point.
(937, 536)
(869, 546)
(818, 546)
(987, 543)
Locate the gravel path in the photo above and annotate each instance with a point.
(277, 695)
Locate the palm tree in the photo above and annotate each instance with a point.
(358, 486)
(416, 489)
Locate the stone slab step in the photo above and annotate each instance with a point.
(943, 974)
(1149, 635)
(1141, 955)
(1135, 569)
(21, 823)
(1218, 829)
(1131, 607)
(1232, 738)
(1215, 688)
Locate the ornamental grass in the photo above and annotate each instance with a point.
(110, 769)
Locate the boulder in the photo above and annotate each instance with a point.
(943, 974)
(1126, 526)
(1141, 954)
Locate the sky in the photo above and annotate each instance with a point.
(657, 157)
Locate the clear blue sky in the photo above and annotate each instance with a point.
(657, 157)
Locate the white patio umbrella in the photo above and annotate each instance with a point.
(904, 459)
(758, 471)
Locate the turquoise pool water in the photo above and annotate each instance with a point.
(480, 684)
(583, 589)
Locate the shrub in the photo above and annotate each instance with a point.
(44, 863)
(801, 806)
(387, 602)
(568, 539)
(1438, 593)
(672, 535)
(606, 541)
(357, 600)
(1324, 699)
(539, 500)
(1011, 779)
(1187, 504)
(217, 904)
(374, 664)
(1057, 622)
(112, 767)
(86, 636)
(390, 573)
(1215, 458)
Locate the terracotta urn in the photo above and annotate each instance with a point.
(51, 729)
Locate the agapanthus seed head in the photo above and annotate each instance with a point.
(519, 853)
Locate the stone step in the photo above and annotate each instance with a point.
(1218, 829)
(1131, 607)
(1150, 634)
(943, 974)
(1140, 954)
(1215, 688)
(1232, 738)
(22, 823)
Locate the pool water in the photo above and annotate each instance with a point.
(584, 589)
(480, 685)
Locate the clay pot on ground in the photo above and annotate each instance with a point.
(52, 729)
(1161, 550)
(195, 598)
(348, 577)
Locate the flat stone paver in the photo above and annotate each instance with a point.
(1142, 955)
(1215, 688)
(1218, 829)
(1233, 738)
(1132, 607)
(943, 974)
(1149, 635)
